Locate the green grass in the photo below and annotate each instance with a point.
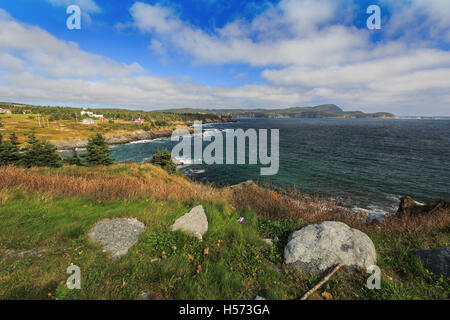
(239, 265)
(17, 115)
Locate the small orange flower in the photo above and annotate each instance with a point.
(327, 295)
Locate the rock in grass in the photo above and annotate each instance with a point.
(117, 235)
(438, 260)
(319, 247)
(194, 222)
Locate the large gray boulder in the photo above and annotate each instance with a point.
(318, 247)
(117, 235)
(437, 260)
(194, 222)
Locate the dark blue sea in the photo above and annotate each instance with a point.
(365, 163)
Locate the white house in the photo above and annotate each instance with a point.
(90, 114)
(88, 121)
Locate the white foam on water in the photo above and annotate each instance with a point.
(158, 140)
(373, 212)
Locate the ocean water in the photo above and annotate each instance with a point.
(365, 163)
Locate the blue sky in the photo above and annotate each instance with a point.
(228, 54)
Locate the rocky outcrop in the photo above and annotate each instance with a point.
(410, 207)
(437, 261)
(194, 222)
(319, 247)
(117, 235)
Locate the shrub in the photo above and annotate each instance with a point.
(163, 159)
(40, 154)
(9, 151)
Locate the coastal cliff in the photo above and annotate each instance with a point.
(321, 111)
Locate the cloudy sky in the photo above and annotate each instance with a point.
(228, 54)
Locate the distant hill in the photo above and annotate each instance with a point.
(321, 111)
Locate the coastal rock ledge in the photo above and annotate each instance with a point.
(319, 247)
(194, 222)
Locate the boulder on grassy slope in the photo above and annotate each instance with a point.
(319, 247)
(117, 235)
(194, 222)
(437, 260)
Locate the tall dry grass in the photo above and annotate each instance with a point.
(137, 181)
(280, 205)
(140, 181)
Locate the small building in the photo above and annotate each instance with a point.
(5, 111)
(103, 119)
(138, 120)
(84, 112)
(88, 121)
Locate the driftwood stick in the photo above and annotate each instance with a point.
(321, 283)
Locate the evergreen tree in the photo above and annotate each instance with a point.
(40, 154)
(9, 151)
(164, 159)
(98, 151)
(14, 139)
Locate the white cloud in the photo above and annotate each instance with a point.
(157, 47)
(308, 56)
(88, 6)
(37, 67)
(311, 52)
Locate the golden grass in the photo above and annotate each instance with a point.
(134, 181)
(131, 181)
(68, 130)
(292, 204)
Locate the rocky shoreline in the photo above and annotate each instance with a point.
(114, 140)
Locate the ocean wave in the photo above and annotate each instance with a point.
(158, 140)
(373, 212)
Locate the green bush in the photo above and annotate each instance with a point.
(9, 151)
(40, 154)
(163, 158)
(98, 151)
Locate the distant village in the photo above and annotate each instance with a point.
(5, 111)
(91, 116)
(90, 119)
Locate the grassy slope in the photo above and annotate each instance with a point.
(37, 214)
(68, 130)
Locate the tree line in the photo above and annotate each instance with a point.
(43, 154)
